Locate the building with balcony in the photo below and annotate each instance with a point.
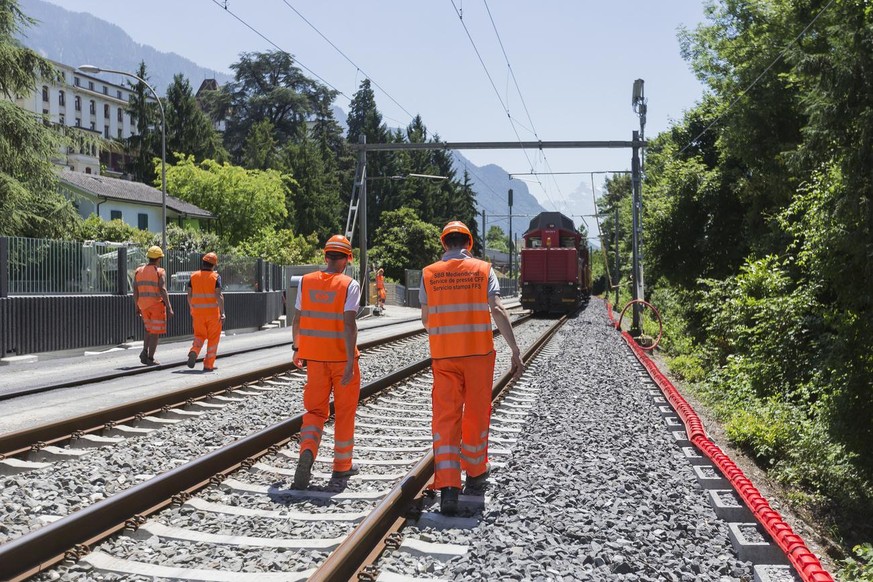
(90, 103)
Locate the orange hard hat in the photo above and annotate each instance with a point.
(338, 244)
(457, 226)
(210, 258)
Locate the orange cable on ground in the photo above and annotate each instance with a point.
(799, 555)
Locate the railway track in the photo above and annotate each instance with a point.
(49, 544)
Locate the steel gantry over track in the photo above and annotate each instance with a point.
(359, 191)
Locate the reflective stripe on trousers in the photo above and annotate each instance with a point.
(322, 379)
(208, 331)
(461, 399)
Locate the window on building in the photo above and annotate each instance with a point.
(88, 171)
(118, 94)
(142, 221)
(91, 85)
(62, 99)
(45, 111)
(76, 81)
(119, 133)
(114, 215)
(106, 110)
(93, 106)
(78, 122)
(106, 131)
(120, 115)
(93, 126)
(105, 90)
(77, 102)
(45, 93)
(61, 119)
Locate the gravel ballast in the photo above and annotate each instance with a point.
(596, 487)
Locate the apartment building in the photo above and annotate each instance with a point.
(88, 102)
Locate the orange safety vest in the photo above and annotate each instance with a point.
(458, 315)
(380, 281)
(148, 286)
(322, 305)
(203, 300)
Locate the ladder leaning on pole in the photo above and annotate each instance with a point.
(360, 179)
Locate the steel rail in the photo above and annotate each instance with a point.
(20, 442)
(144, 370)
(361, 546)
(37, 550)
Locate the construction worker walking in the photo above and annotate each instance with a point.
(380, 289)
(152, 303)
(459, 295)
(325, 337)
(207, 310)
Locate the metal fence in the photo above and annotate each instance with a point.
(31, 266)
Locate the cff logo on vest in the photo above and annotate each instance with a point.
(322, 296)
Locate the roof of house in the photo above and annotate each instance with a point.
(128, 191)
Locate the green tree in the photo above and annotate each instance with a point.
(404, 241)
(95, 228)
(316, 206)
(497, 240)
(260, 147)
(189, 130)
(30, 204)
(268, 87)
(144, 145)
(364, 119)
(243, 201)
(283, 247)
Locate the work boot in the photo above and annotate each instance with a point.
(192, 358)
(479, 482)
(304, 470)
(354, 470)
(144, 357)
(449, 500)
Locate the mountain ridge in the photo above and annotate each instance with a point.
(76, 38)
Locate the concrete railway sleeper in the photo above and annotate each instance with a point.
(25, 555)
(89, 429)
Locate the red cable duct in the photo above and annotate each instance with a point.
(804, 561)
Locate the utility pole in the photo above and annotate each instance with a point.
(617, 259)
(484, 233)
(511, 245)
(637, 203)
(638, 102)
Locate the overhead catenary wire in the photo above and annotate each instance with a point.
(497, 93)
(758, 78)
(223, 5)
(346, 57)
(521, 97)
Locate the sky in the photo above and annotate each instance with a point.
(574, 62)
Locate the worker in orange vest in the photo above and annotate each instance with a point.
(152, 303)
(207, 310)
(380, 289)
(459, 295)
(325, 337)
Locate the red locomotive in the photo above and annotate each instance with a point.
(555, 267)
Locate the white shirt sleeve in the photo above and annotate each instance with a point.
(353, 297)
(298, 304)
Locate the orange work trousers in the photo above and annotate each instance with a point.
(321, 379)
(461, 399)
(155, 318)
(207, 330)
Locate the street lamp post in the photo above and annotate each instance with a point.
(92, 70)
